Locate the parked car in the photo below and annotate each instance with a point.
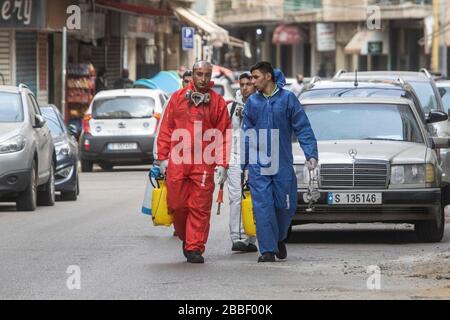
(425, 87)
(366, 88)
(27, 152)
(377, 163)
(67, 154)
(119, 128)
(222, 85)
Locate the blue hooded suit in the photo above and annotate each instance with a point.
(272, 179)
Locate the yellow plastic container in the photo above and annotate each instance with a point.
(248, 217)
(160, 212)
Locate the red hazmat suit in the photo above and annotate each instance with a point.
(190, 184)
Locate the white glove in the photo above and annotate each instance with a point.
(222, 175)
(163, 164)
(311, 164)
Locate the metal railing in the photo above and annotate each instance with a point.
(301, 5)
(400, 2)
(241, 7)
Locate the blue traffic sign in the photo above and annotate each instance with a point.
(187, 38)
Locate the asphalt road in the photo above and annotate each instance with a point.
(120, 255)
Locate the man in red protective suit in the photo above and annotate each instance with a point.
(193, 115)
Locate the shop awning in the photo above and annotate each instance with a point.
(131, 8)
(288, 35)
(235, 42)
(216, 33)
(362, 40)
(356, 44)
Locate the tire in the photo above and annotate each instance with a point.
(71, 195)
(27, 199)
(433, 230)
(46, 197)
(86, 166)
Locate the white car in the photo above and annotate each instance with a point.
(119, 128)
(377, 163)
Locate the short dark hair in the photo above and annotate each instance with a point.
(245, 75)
(264, 67)
(187, 73)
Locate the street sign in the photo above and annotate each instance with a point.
(375, 47)
(187, 38)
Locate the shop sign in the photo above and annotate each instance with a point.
(326, 37)
(375, 47)
(22, 13)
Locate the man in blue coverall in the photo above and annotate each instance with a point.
(274, 114)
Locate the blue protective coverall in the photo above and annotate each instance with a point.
(274, 195)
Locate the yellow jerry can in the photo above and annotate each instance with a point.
(248, 218)
(160, 212)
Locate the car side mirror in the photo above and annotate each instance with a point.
(39, 121)
(436, 116)
(73, 130)
(441, 143)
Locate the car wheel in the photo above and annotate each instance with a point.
(106, 166)
(46, 197)
(86, 166)
(70, 195)
(27, 199)
(433, 230)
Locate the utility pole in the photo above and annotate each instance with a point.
(435, 43)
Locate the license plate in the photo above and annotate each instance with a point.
(122, 146)
(337, 198)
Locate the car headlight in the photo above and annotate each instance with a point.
(62, 149)
(14, 144)
(412, 174)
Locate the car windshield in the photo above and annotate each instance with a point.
(10, 107)
(219, 89)
(123, 108)
(425, 92)
(353, 92)
(52, 121)
(363, 122)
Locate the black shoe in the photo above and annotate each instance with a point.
(195, 257)
(282, 252)
(267, 257)
(242, 247)
(252, 248)
(175, 233)
(184, 250)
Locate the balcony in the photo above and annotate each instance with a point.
(232, 12)
(403, 9)
(303, 10)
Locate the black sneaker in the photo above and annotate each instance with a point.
(282, 252)
(194, 257)
(239, 246)
(184, 250)
(252, 248)
(267, 257)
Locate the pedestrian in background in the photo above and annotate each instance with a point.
(240, 242)
(100, 82)
(297, 86)
(186, 78)
(124, 82)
